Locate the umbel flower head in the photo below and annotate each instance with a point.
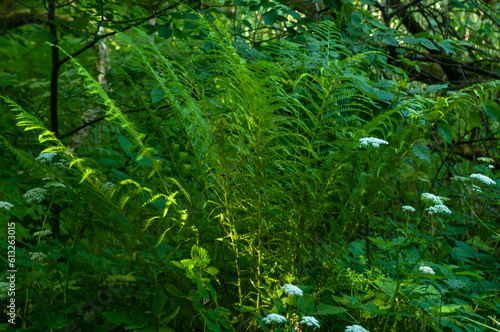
(274, 318)
(408, 208)
(485, 160)
(426, 269)
(440, 208)
(432, 199)
(43, 233)
(35, 195)
(483, 178)
(39, 256)
(355, 328)
(107, 186)
(292, 290)
(375, 142)
(55, 184)
(460, 179)
(309, 321)
(6, 205)
(46, 157)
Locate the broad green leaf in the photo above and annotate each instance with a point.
(356, 18)
(492, 109)
(118, 318)
(270, 17)
(157, 95)
(327, 309)
(446, 133)
(410, 40)
(173, 290)
(449, 308)
(125, 143)
(428, 44)
(159, 302)
(167, 319)
(447, 47)
(294, 14)
(467, 273)
(212, 270)
(380, 242)
(422, 152)
(119, 175)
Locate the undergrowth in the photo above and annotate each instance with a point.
(245, 175)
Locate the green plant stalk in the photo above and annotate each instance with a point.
(66, 286)
(233, 233)
(259, 251)
(398, 283)
(33, 269)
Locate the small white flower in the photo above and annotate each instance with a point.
(39, 256)
(375, 142)
(274, 318)
(107, 187)
(55, 184)
(460, 179)
(483, 178)
(485, 160)
(35, 195)
(440, 208)
(491, 166)
(430, 198)
(43, 233)
(355, 328)
(292, 290)
(46, 157)
(6, 205)
(309, 321)
(476, 188)
(408, 208)
(426, 269)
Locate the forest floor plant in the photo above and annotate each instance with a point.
(246, 175)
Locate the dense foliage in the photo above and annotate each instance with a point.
(274, 166)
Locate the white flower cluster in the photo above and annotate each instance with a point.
(39, 256)
(426, 269)
(35, 195)
(292, 290)
(6, 205)
(460, 179)
(408, 208)
(309, 321)
(46, 157)
(107, 187)
(355, 328)
(483, 178)
(485, 160)
(438, 209)
(43, 233)
(55, 184)
(491, 166)
(274, 318)
(438, 206)
(375, 142)
(476, 188)
(430, 198)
